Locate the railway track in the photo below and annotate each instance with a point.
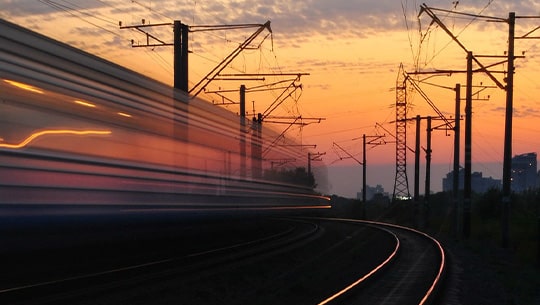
(65, 280)
(412, 274)
(303, 261)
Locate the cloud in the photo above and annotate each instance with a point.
(19, 8)
(292, 19)
(294, 23)
(524, 111)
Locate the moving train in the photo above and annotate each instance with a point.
(77, 130)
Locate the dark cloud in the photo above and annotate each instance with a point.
(293, 22)
(336, 18)
(525, 111)
(18, 8)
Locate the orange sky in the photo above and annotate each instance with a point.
(351, 49)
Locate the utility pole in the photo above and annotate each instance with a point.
(288, 86)
(375, 141)
(256, 147)
(364, 185)
(428, 152)
(242, 131)
(507, 166)
(417, 172)
(181, 50)
(455, 184)
(181, 34)
(427, 189)
(417, 161)
(314, 157)
(467, 188)
(507, 161)
(180, 44)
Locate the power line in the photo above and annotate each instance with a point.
(72, 11)
(471, 17)
(152, 10)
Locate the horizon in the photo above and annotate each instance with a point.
(384, 174)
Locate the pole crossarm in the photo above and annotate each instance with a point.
(428, 100)
(423, 7)
(221, 27)
(224, 100)
(281, 135)
(373, 140)
(443, 126)
(527, 35)
(392, 135)
(435, 18)
(261, 74)
(141, 28)
(144, 25)
(316, 156)
(201, 85)
(334, 144)
(277, 117)
(259, 88)
(283, 96)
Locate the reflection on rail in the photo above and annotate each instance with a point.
(78, 130)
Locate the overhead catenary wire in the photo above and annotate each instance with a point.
(472, 18)
(77, 12)
(149, 8)
(87, 14)
(268, 59)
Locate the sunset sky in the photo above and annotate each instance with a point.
(351, 49)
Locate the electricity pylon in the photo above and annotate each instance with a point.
(401, 182)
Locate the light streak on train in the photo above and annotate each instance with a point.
(127, 115)
(24, 86)
(35, 135)
(86, 104)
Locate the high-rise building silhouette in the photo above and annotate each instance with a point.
(524, 172)
(479, 183)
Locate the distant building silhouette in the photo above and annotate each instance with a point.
(371, 192)
(479, 184)
(524, 172)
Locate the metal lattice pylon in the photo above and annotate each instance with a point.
(401, 183)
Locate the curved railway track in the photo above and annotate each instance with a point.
(410, 275)
(300, 261)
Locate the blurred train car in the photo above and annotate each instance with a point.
(77, 130)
